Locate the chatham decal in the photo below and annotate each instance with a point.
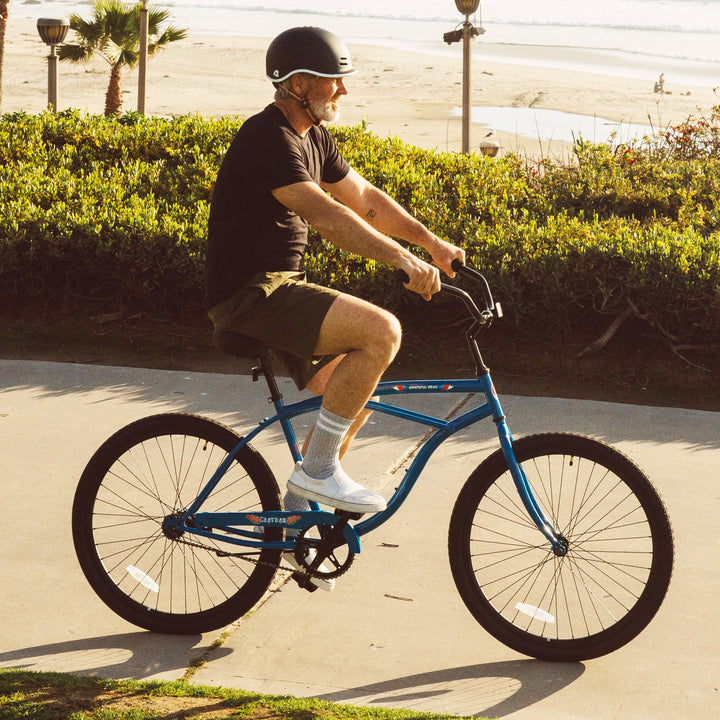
(260, 520)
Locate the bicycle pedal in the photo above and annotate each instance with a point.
(348, 515)
(304, 581)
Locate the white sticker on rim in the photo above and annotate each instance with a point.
(535, 613)
(142, 578)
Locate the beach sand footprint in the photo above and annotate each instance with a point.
(528, 99)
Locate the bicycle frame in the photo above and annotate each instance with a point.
(231, 523)
(205, 524)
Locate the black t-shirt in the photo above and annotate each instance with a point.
(249, 231)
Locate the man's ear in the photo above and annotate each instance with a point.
(297, 83)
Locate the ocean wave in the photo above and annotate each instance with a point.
(321, 12)
(610, 27)
(699, 17)
(704, 16)
(693, 22)
(678, 29)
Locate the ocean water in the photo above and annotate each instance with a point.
(684, 30)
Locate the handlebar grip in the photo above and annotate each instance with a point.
(402, 277)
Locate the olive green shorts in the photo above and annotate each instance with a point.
(284, 311)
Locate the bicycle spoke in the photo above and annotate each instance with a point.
(609, 549)
(153, 479)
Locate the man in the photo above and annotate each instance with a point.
(273, 182)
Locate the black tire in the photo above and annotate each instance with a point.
(145, 472)
(617, 569)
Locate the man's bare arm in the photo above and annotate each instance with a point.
(390, 218)
(344, 227)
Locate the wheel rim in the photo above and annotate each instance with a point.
(605, 571)
(138, 548)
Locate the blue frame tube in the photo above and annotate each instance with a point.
(443, 430)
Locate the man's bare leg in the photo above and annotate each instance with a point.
(317, 387)
(369, 338)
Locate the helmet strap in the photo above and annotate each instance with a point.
(305, 105)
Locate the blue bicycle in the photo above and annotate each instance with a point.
(559, 545)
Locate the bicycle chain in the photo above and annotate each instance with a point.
(242, 556)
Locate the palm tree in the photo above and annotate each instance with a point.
(114, 34)
(4, 7)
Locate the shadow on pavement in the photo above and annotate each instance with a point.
(492, 689)
(138, 655)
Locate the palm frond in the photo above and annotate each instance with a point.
(171, 34)
(113, 32)
(75, 53)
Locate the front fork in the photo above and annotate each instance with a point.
(558, 543)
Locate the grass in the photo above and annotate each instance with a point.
(58, 696)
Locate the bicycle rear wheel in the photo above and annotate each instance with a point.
(617, 569)
(147, 471)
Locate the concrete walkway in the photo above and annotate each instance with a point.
(395, 632)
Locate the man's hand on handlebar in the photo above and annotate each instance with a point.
(424, 279)
(419, 276)
(443, 255)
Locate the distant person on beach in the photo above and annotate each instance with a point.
(283, 172)
(660, 84)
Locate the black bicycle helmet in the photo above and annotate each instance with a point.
(307, 49)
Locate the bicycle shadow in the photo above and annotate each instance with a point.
(492, 689)
(138, 655)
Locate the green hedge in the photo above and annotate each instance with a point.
(113, 211)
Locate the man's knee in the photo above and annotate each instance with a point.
(355, 325)
(387, 332)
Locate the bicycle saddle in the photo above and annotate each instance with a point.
(236, 344)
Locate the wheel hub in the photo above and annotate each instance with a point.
(562, 546)
(171, 527)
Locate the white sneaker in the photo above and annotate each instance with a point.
(327, 584)
(337, 491)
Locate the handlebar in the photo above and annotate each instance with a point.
(491, 309)
(482, 316)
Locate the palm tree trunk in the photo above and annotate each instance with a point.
(4, 8)
(113, 97)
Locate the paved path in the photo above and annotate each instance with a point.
(395, 632)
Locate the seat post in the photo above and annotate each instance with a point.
(267, 371)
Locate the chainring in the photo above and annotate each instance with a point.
(331, 566)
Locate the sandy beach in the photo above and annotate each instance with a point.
(404, 94)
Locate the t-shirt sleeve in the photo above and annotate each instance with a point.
(335, 167)
(275, 157)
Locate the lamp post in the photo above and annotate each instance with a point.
(52, 32)
(469, 31)
(142, 59)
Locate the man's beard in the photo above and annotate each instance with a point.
(327, 112)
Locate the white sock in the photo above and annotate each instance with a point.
(295, 503)
(323, 453)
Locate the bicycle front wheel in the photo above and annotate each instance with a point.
(160, 580)
(617, 569)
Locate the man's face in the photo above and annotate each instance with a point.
(323, 97)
